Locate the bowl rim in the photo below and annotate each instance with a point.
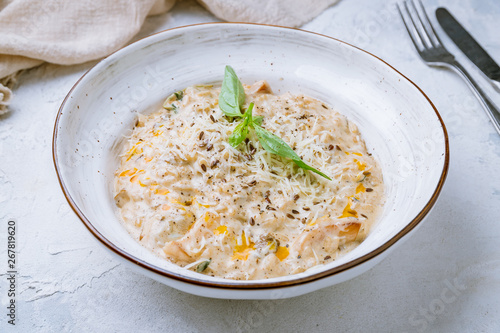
(249, 285)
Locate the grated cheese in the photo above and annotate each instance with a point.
(184, 193)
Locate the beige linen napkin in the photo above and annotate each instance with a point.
(292, 13)
(71, 32)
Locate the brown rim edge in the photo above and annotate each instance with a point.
(253, 286)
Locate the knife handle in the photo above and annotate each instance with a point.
(491, 109)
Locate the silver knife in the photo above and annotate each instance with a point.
(469, 46)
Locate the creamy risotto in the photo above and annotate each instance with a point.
(243, 213)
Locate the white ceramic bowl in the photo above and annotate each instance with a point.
(400, 125)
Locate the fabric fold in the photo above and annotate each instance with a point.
(66, 32)
(73, 32)
(291, 13)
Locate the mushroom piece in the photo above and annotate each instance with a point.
(260, 87)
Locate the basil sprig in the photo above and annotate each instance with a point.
(231, 100)
(241, 130)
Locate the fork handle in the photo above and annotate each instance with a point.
(491, 109)
(496, 84)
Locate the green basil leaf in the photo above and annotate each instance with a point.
(203, 265)
(258, 120)
(304, 166)
(176, 96)
(171, 107)
(179, 95)
(241, 131)
(275, 145)
(232, 94)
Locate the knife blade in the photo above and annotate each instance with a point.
(468, 45)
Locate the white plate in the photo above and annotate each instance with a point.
(400, 125)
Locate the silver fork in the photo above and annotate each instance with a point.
(432, 51)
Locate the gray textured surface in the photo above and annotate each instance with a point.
(445, 278)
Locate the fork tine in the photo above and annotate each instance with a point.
(418, 44)
(433, 36)
(418, 27)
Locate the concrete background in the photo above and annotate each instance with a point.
(445, 278)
